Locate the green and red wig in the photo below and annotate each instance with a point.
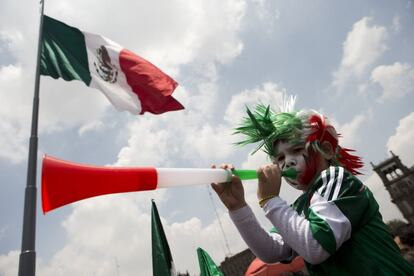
(266, 127)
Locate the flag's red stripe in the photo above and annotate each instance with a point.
(65, 182)
(153, 87)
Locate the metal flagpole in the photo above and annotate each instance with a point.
(27, 261)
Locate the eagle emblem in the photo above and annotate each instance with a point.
(105, 69)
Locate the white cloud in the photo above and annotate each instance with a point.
(14, 41)
(266, 14)
(12, 142)
(256, 160)
(13, 115)
(362, 47)
(190, 135)
(8, 39)
(92, 126)
(9, 263)
(349, 131)
(182, 32)
(148, 145)
(401, 143)
(65, 105)
(62, 105)
(211, 142)
(396, 80)
(396, 23)
(100, 231)
(270, 94)
(192, 234)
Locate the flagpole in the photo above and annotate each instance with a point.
(27, 260)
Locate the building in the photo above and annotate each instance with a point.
(399, 182)
(237, 265)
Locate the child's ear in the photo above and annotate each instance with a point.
(328, 150)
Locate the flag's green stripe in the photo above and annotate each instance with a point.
(63, 52)
(161, 254)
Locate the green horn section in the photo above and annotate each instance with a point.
(252, 174)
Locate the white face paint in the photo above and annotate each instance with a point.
(290, 155)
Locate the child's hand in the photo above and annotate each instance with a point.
(269, 181)
(230, 193)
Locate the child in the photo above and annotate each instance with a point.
(335, 225)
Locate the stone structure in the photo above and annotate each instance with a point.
(399, 181)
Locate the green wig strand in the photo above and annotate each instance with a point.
(264, 126)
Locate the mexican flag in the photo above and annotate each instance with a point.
(126, 79)
(162, 262)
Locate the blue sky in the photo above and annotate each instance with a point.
(352, 61)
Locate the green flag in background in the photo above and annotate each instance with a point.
(207, 265)
(162, 262)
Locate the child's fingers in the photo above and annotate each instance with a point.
(261, 174)
(227, 166)
(218, 188)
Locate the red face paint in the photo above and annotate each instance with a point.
(312, 164)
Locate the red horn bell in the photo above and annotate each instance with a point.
(65, 182)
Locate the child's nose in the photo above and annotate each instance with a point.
(290, 162)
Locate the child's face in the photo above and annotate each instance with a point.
(307, 163)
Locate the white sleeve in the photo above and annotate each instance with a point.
(295, 230)
(268, 247)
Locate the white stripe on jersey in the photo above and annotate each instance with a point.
(337, 221)
(330, 183)
(323, 182)
(338, 183)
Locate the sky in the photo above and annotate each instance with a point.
(351, 60)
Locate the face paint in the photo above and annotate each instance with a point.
(305, 162)
(312, 165)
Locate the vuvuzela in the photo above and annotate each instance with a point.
(65, 182)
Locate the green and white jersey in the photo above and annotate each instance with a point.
(335, 226)
(344, 218)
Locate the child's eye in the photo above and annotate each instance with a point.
(298, 150)
(280, 158)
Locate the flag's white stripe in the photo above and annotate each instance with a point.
(338, 183)
(330, 183)
(323, 182)
(337, 221)
(118, 93)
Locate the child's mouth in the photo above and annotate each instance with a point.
(292, 182)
